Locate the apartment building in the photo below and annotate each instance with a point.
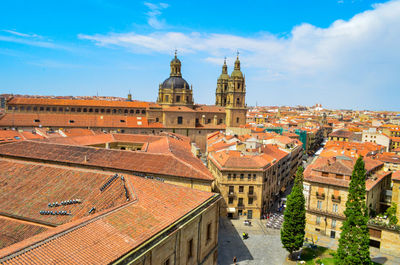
(326, 184)
(251, 179)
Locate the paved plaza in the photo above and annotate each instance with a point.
(262, 247)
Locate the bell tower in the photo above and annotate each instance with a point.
(222, 87)
(236, 108)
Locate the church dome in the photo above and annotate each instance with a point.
(175, 82)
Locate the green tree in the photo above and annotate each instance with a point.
(354, 238)
(292, 232)
(391, 214)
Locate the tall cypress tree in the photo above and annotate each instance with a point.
(292, 232)
(354, 238)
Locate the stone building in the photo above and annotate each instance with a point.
(175, 110)
(250, 175)
(326, 184)
(60, 214)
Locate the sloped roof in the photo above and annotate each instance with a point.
(105, 236)
(172, 164)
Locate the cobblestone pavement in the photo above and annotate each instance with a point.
(262, 247)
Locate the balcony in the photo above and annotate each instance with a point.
(320, 196)
(326, 213)
(336, 198)
(240, 206)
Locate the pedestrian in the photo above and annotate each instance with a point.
(234, 260)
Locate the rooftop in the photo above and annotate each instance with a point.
(117, 226)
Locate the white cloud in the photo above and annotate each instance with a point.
(20, 34)
(354, 58)
(154, 13)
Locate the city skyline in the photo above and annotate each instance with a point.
(341, 54)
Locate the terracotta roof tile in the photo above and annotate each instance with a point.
(108, 235)
(173, 163)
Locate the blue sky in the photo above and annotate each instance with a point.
(340, 53)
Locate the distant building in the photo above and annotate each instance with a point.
(249, 174)
(175, 110)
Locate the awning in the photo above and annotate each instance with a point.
(231, 210)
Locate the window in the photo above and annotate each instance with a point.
(335, 208)
(249, 176)
(78, 110)
(208, 120)
(237, 120)
(180, 120)
(72, 109)
(47, 108)
(157, 119)
(178, 98)
(71, 121)
(85, 110)
(241, 176)
(319, 204)
(34, 108)
(254, 176)
(229, 176)
(333, 224)
(197, 121)
(208, 237)
(41, 108)
(250, 201)
(114, 111)
(234, 176)
(96, 110)
(137, 111)
(318, 221)
(190, 249)
(231, 189)
(90, 110)
(241, 188)
(220, 121)
(143, 112)
(251, 190)
(166, 98)
(230, 200)
(36, 120)
(28, 108)
(240, 203)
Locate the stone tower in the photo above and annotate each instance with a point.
(222, 87)
(175, 91)
(235, 98)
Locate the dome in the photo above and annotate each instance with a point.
(223, 77)
(178, 82)
(175, 61)
(237, 73)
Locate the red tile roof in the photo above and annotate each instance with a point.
(105, 236)
(174, 164)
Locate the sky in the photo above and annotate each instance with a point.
(339, 53)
